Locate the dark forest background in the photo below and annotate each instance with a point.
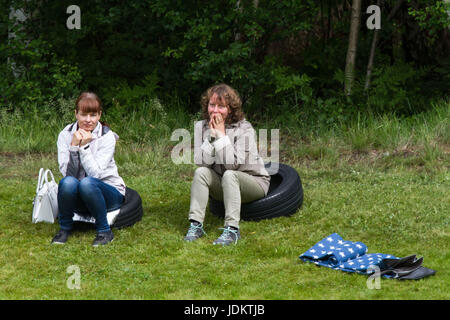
(282, 56)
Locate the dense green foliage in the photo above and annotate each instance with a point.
(284, 57)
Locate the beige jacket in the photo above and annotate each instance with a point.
(237, 150)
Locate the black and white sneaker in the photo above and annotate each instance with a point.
(103, 238)
(61, 237)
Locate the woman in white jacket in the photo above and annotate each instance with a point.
(91, 183)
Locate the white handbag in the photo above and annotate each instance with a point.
(45, 204)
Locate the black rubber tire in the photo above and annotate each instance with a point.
(131, 210)
(284, 197)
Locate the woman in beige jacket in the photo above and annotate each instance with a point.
(230, 168)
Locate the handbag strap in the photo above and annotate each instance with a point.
(40, 180)
(46, 175)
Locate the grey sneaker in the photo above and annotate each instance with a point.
(230, 235)
(195, 231)
(103, 238)
(61, 237)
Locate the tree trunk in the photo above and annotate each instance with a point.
(375, 40)
(20, 16)
(237, 36)
(352, 46)
(372, 55)
(239, 8)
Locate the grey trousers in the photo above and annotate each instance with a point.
(233, 188)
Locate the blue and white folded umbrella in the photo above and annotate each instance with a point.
(336, 253)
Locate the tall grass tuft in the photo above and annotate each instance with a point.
(146, 128)
(35, 130)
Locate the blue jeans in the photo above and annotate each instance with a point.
(89, 196)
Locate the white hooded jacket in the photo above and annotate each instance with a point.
(95, 159)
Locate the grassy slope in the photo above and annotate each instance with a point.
(392, 200)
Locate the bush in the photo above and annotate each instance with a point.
(396, 89)
(34, 74)
(281, 56)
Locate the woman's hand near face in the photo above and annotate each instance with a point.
(211, 127)
(86, 137)
(218, 124)
(76, 138)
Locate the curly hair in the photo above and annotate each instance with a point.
(228, 96)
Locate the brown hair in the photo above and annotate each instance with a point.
(226, 95)
(89, 102)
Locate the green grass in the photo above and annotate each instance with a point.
(389, 192)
